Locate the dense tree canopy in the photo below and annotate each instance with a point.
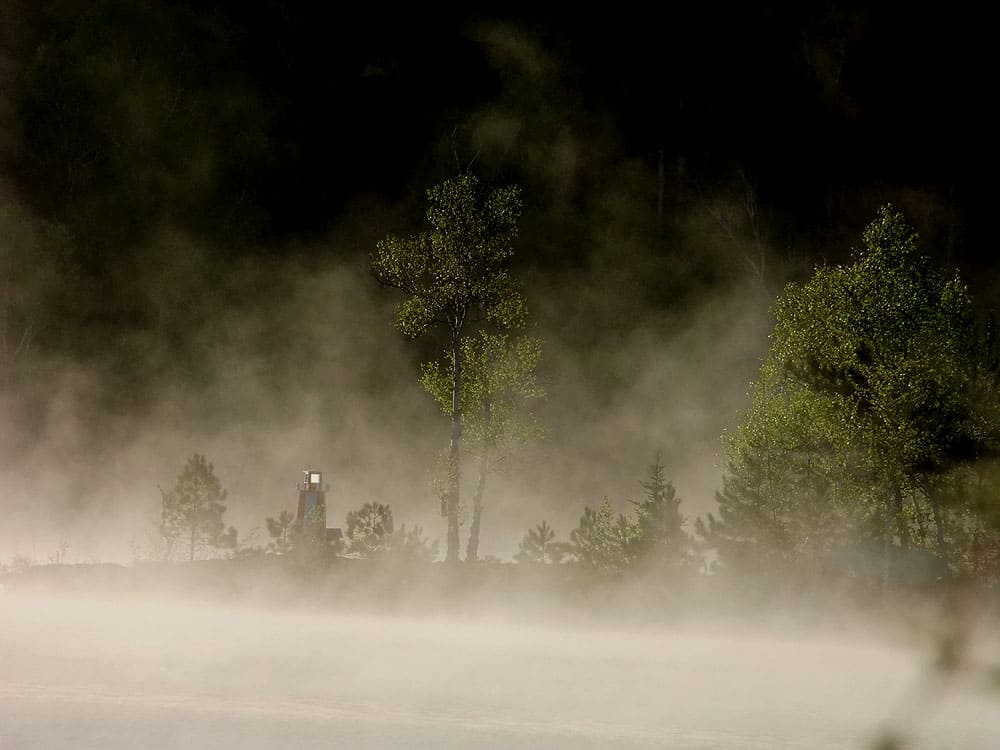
(869, 407)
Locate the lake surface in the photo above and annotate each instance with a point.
(104, 674)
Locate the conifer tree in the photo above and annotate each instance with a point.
(604, 540)
(192, 511)
(661, 539)
(369, 530)
(539, 545)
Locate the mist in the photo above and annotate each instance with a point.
(81, 672)
(129, 345)
(305, 370)
(188, 204)
(284, 357)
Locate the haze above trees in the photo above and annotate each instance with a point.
(174, 181)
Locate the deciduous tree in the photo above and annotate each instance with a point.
(865, 404)
(456, 276)
(499, 389)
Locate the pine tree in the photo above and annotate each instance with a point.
(539, 546)
(192, 511)
(369, 530)
(661, 539)
(604, 540)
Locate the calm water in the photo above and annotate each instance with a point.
(85, 674)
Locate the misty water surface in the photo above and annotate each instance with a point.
(86, 674)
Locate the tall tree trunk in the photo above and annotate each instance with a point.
(976, 549)
(902, 529)
(456, 437)
(194, 526)
(921, 533)
(935, 502)
(886, 538)
(472, 548)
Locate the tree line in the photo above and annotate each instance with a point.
(192, 527)
(873, 429)
(870, 442)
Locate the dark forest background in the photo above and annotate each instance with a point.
(175, 177)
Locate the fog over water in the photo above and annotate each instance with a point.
(188, 204)
(272, 353)
(87, 673)
(308, 372)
